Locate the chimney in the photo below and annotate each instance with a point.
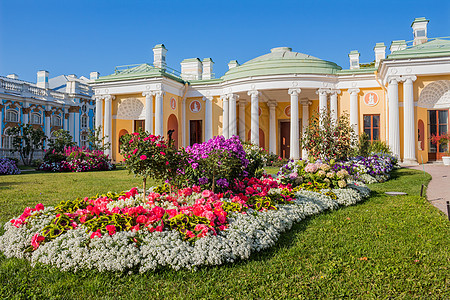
(354, 59)
(397, 45)
(159, 56)
(42, 79)
(13, 76)
(207, 68)
(380, 53)
(233, 64)
(191, 69)
(419, 27)
(94, 75)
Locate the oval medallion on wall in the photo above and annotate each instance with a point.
(195, 106)
(371, 99)
(173, 103)
(287, 111)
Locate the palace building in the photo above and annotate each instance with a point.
(62, 102)
(401, 98)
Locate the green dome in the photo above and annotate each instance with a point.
(281, 61)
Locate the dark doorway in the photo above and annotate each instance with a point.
(285, 138)
(195, 129)
(139, 124)
(437, 125)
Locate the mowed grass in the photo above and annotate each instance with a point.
(386, 247)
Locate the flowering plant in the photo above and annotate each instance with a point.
(443, 140)
(8, 167)
(257, 158)
(216, 162)
(147, 155)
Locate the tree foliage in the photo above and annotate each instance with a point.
(25, 140)
(96, 141)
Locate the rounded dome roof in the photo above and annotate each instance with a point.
(279, 61)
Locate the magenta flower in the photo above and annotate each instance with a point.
(143, 157)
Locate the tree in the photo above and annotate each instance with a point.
(26, 139)
(96, 142)
(326, 138)
(62, 140)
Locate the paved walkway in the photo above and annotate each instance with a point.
(438, 191)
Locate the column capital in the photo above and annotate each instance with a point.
(253, 93)
(26, 110)
(410, 78)
(335, 92)
(210, 98)
(109, 97)
(393, 79)
(294, 91)
(223, 97)
(147, 93)
(159, 93)
(322, 91)
(354, 91)
(272, 103)
(231, 95)
(305, 101)
(48, 113)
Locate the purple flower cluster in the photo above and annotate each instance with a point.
(231, 146)
(374, 165)
(8, 167)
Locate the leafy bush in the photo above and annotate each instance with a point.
(8, 167)
(61, 140)
(380, 147)
(257, 158)
(328, 139)
(25, 140)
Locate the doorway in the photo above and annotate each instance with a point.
(437, 125)
(139, 125)
(172, 124)
(195, 132)
(285, 139)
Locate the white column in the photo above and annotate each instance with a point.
(183, 122)
(148, 111)
(272, 127)
(47, 125)
(25, 114)
(242, 104)
(226, 117)
(323, 95)
(305, 122)
(77, 126)
(354, 114)
(394, 126)
(208, 118)
(1, 123)
(409, 138)
(71, 124)
(254, 135)
(98, 112)
(108, 123)
(294, 144)
(334, 105)
(232, 124)
(159, 117)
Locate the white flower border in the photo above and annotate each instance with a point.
(255, 231)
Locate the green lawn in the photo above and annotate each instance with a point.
(385, 247)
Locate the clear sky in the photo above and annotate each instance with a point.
(77, 37)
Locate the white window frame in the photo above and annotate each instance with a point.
(12, 112)
(37, 115)
(56, 120)
(84, 119)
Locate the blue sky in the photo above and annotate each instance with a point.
(77, 37)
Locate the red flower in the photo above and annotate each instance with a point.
(111, 229)
(36, 239)
(143, 157)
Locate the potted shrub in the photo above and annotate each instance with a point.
(443, 139)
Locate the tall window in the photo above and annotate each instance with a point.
(56, 121)
(83, 140)
(36, 118)
(7, 140)
(372, 127)
(12, 116)
(84, 121)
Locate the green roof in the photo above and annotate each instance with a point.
(281, 61)
(137, 72)
(434, 48)
(357, 71)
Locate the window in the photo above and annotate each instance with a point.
(7, 140)
(372, 127)
(84, 108)
(36, 118)
(84, 121)
(56, 121)
(420, 33)
(12, 116)
(83, 140)
(354, 63)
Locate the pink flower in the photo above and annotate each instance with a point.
(135, 133)
(207, 193)
(36, 239)
(134, 151)
(111, 229)
(143, 157)
(141, 219)
(96, 234)
(162, 153)
(167, 163)
(39, 207)
(158, 211)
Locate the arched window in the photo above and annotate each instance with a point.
(36, 118)
(84, 121)
(12, 116)
(83, 140)
(7, 139)
(56, 121)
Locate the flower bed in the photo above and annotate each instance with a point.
(75, 159)
(185, 229)
(8, 167)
